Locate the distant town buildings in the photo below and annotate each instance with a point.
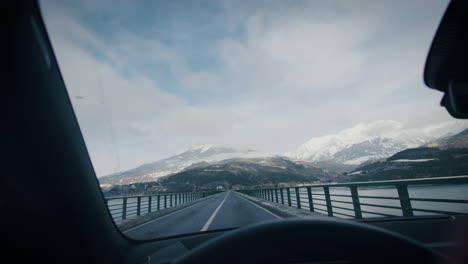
(236, 187)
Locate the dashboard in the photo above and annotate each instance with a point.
(434, 232)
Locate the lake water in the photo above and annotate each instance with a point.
(459, 191)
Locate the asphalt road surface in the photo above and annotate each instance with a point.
(224, 210)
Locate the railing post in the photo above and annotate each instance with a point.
(298, 198)
(165, 201)
(149, 204)
(138, 205)
(175, 198)
(356, 203)
(124, 209)
(159, 201)
(404, 200)
(276, 195)
(326, 190)
(282, 196)
(170, 200)
(309, 196)
(288, 192)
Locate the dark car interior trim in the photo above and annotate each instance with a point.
(47, 158)
(447, 61)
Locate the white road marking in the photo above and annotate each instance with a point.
(275, 215)
(208, 223)
(164, 216)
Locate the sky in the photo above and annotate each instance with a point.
(148, 79)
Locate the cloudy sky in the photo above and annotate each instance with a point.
(150, 78)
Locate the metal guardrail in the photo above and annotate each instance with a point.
(318, 198)
(122, 207)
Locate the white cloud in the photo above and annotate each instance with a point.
(279, 76)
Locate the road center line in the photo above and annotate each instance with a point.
(208, 223)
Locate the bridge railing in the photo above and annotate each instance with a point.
(374, 199)
(123, 207)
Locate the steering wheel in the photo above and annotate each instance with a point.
(310, 241)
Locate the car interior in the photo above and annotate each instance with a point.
(46, 157)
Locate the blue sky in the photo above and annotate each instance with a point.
(150, 78)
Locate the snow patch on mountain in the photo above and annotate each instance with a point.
(374, 140)
(180, 161)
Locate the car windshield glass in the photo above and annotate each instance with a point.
(208, 115)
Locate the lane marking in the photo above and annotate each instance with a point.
(164, 216)
(273, 214)
(208, 223)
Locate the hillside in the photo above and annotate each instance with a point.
(449, 158)
(155, 170)
(236, 173)
(347, 149)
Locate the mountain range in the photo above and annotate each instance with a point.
(443, 157)
(317, 160)
(251, 172)
(194, 154)
(349, 148)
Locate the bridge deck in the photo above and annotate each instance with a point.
(224, 210)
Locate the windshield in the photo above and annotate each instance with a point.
(207, 115)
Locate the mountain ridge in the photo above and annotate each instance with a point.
(351, 147)
(194, 154)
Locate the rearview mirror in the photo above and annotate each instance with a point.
(447, 62)
(455, 99)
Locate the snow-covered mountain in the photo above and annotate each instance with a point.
(178, 162)
(375, 140)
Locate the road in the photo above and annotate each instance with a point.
(224, 210)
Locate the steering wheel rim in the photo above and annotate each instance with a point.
(306, 240)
